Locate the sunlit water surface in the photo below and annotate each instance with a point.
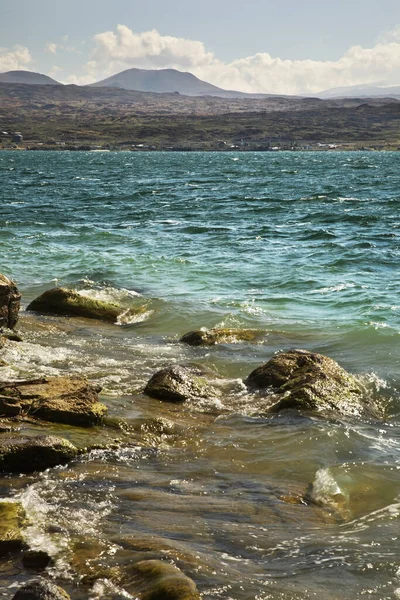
(304, 246)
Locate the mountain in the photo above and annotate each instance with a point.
(27, 77)
(362, 91)
(167, 81)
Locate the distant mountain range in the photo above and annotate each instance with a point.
(167, 81)
(361, 91)
(28, 77)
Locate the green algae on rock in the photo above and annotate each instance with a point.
(12, 520)
(178, 384)
(71, 400)
(159, 580)
(310, 381)
(41, 589)
(220, 335)
(10, 301)
(61, 301)
(20, 454)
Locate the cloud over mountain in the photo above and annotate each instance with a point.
(117, 50)
(18, 57)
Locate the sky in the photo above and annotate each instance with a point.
(280, 46)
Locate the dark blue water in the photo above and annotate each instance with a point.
(305, 246)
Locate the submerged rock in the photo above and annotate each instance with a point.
(35, 559)
(12, 520)
(41, 589)
(161, 580)
(177, 384)
(310, 381)
(10, 301)
(71, 400)
(61, 301)
(220, 335)
(25, 455)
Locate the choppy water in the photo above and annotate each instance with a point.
(303, 245)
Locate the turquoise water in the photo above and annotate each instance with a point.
(305, 246)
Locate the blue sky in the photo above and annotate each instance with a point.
(283, 46)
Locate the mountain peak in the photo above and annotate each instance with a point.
(163, 81)
(29, 77)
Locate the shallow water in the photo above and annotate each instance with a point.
(303, 246)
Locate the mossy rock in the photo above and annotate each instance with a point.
(41, 589)
(10, 302)
(71, 400)
(159, 580)
(12, 520)
(178, 384)
(312, 382)
(61, 301)
(220, 335)
(25, 455)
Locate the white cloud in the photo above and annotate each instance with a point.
(17, 58)
(54, 71)
(50, 47)
(122, 49)
(148, 50)
(56, 48)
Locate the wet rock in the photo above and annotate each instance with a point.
(10, 301)
(12, 520)
(35, 559)
(313, 382)
(20, 454)
(159, 580)
(6, 427)
(221, 335)
(71, 400)
(151, 547)
(61, 301)
(177, 384)
(41, 589)
(12, 336)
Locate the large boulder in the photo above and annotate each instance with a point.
(310, 381)
(41, 589)
(159, 580)
(61, 301)
(10, 301)
(12, 520)
(25, 455)
(71, 400)
(220, 335)
(177, 384)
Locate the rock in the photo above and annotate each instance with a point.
(313, 382)
(177, 384)
(10, 301)
(61, 301)
(12, 520)
(35, 559)
(71, 400)
(219, 335)
(20, 454)
(41, 589)
(12, 336)
(6, 427)
(159, 580)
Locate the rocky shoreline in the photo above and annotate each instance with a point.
(296, 380)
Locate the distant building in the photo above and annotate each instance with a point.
(17, 137)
